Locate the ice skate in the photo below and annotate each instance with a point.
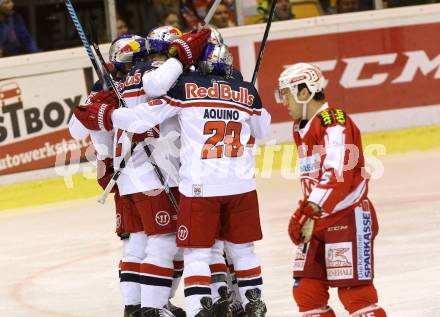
(237, 309)
(132, 311)
(177, 311)
(221, 307)
(256, 307)
(155, 312)
(207, 309)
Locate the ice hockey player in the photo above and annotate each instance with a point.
(158, 73)
(335, 223)
(217, 116)
(148, 79)
(156, 83)
(142, 188)
(125, 51)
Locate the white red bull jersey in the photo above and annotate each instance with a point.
(217, 118)
(163, 140)
(331, 161)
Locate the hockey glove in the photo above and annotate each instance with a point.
(108, 97)
(301, 222)
(152, 133)
(189, 46)
(96, 116)
(104, 172)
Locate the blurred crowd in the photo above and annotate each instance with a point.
(16, 39)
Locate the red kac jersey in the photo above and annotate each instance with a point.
(331, 162)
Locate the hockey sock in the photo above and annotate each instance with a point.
(129, 283)
(197, 280)
(247, 269)
(157, 270)
(218, 272)
(133, 252)
(232, 279)
(178, 271)
(357, 299)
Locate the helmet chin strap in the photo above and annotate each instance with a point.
(304, 112)
(305, 103)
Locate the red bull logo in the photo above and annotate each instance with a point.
(132, 46)
(213, 56)
(175, 31)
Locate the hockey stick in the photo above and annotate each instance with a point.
(110, 82)
(147, 150)
(264, 41)
(211, 12)
(85, 42)
(307, 232)
(105, 79)
(157, 170)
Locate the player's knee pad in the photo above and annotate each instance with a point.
(310, 294)
(242, 255)
(320, 312)
(237, 250)
(161, 246)
(370, 311)
(197, 262)
(134, 246)
(217, 252)
(355, 298)
(192, 255)
(179, 255)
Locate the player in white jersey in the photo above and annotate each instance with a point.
(139, 177)
(217, 115)
(143, 190)
(122, 60)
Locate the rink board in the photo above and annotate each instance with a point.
(383, 67)
(79, 180)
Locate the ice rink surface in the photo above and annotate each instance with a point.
(61, 259)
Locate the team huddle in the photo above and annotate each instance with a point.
(199, 118)
(186, 200)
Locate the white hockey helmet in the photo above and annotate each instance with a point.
(302, 73)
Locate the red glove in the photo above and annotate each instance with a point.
(152, 133)
(108, 97)
(304, 212)
(189, 46)
(96, 116)
(104, 172)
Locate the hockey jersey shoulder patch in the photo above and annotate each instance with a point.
(326, 118)
(332, 116)
(340, 116)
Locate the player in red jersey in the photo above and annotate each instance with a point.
(335, 223)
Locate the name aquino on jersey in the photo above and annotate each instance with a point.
(221, 114)
(219, 91)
